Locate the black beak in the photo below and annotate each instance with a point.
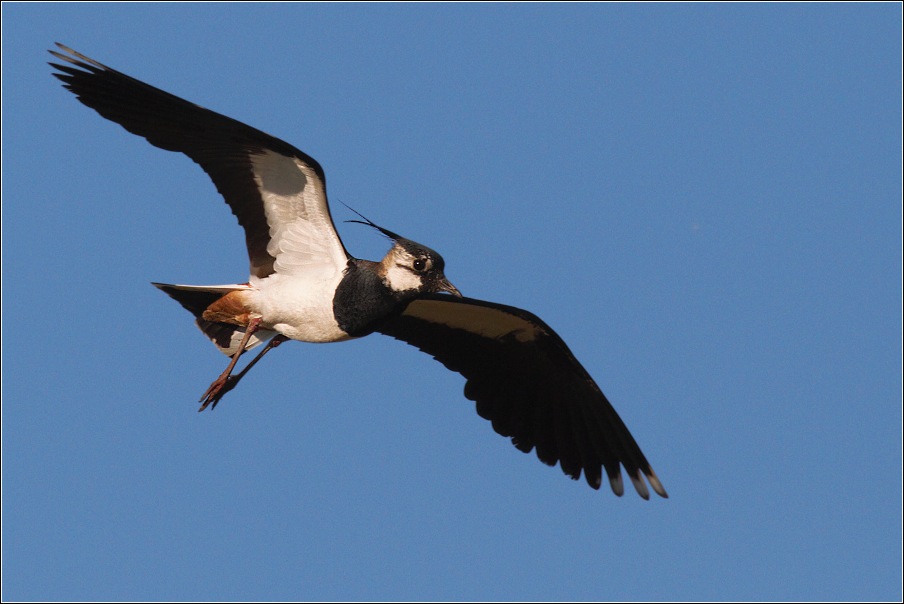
(443, 285)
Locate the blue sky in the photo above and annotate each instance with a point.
(703, 200)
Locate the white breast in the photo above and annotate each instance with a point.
(299, 306)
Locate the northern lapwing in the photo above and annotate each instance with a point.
(304, 285)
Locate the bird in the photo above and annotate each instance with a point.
(304, 285)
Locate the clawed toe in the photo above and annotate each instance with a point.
(227, 381)
(216, 391)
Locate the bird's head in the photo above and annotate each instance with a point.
(409, 268)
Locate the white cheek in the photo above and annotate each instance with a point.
(401, 279)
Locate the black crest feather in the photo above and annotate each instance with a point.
(367, 221)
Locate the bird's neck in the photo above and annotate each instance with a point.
(363, 299)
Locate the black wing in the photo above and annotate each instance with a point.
(277, 192)
(527, 382)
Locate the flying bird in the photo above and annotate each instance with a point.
(304, 285)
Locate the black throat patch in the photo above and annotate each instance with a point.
(363, 301)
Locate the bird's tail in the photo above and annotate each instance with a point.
(196, 298)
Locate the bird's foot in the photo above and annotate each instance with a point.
(217, 390)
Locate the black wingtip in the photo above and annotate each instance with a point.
(656, 484)
(77, 65)
(74, 57)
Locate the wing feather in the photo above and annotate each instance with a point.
(525, 380)
(277, 192)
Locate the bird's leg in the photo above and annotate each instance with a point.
(211, 394)
(232, 380)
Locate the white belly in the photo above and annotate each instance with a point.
(299, 307)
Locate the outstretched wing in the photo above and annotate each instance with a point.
(277, 192)
(527, 382)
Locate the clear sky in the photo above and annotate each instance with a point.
(703, 200)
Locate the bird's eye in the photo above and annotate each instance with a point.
(420, 264)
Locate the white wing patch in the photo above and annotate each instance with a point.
(302, 237)
(481, 320)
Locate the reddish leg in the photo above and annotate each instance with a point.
(230, 381)
(211, 393)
